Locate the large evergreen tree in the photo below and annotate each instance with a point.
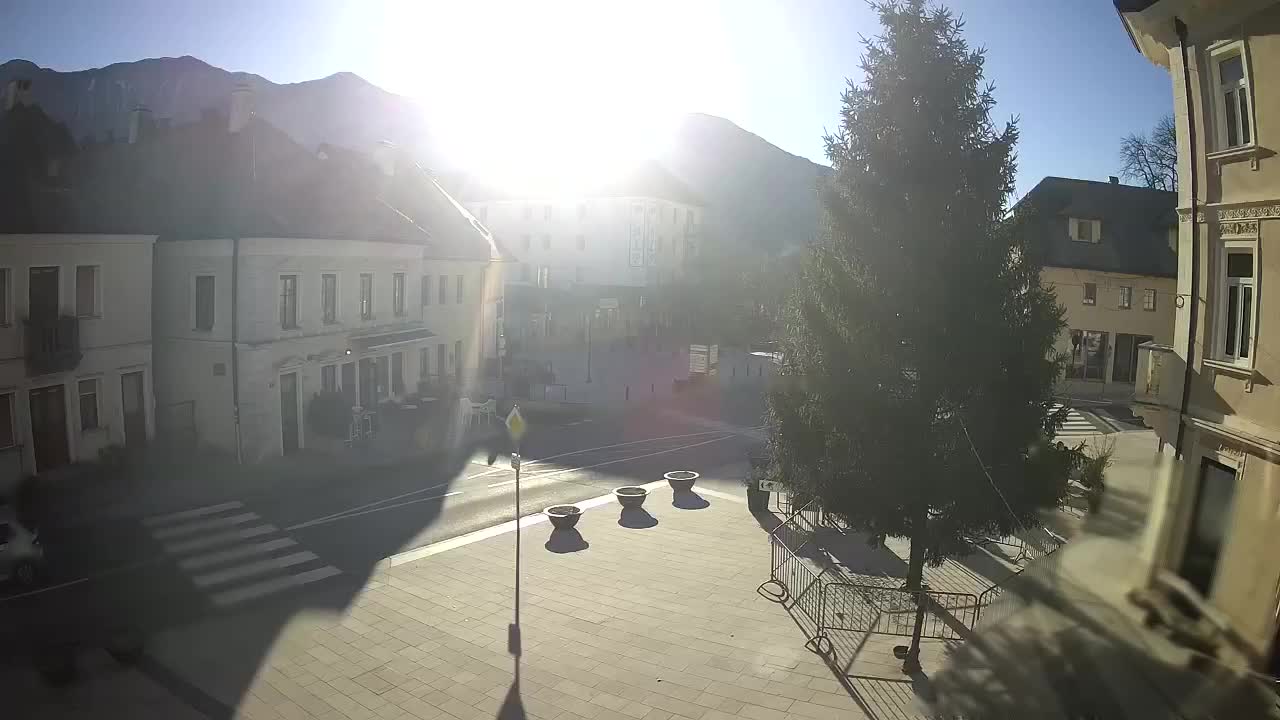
(920, 325)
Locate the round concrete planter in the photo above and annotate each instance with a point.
(631, 496)
(681, 480)
(563, 517)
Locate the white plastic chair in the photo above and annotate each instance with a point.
(487, 409)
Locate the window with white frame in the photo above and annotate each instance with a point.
(329, 298)
(329, 378)
(1236, 303)
(1232, 100)
(426, 290)
(1149, 300)
(87, 291)
(288, 301)
(7, 437)
(366, 296)
(1084, 230)
(1090, 293)
(1126, 297)
(458, 289)
(88, 390)
(397, 293)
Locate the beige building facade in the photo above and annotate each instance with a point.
(75, 349)
(1211, 540)
(1107, 253)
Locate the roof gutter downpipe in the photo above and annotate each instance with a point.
(1193, 317)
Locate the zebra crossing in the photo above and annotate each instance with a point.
(1076, 425)
(231, 555)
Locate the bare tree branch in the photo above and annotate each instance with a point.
(1152, 160)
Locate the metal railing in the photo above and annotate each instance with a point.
(994, 605)
(798, 582)
(892, 610)
(1032, 545)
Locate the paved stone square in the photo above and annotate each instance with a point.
(652, 616)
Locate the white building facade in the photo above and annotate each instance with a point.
(75, 348)
(369, 319)
(611, 252)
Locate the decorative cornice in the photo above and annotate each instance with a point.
(1223, 214)
(1238, 228)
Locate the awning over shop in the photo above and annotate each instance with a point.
(390, 338)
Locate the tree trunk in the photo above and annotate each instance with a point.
(915, 577)
(915, 566)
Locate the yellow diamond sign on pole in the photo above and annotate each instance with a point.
(516, 425)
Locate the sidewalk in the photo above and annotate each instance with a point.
(1069, 645)
(652, 616)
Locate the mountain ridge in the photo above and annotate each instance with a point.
(731, 167)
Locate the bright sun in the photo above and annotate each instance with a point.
(547, 96)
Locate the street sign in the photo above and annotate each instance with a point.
(771, 486)
(608, 303)
(515, 461)
(516, 424)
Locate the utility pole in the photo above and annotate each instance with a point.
(588, 319)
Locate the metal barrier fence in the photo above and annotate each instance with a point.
(797, 580)
(833, 605)
(892, 611)
(994, 603)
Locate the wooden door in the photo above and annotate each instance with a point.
(49, 427)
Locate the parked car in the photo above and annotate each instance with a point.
(21, 555)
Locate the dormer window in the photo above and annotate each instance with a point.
(1083, 230)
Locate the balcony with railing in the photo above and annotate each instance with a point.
(1159, 378)
(51, 344)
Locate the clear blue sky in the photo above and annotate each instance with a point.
(774, 67)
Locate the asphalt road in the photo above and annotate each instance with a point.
(319, 547)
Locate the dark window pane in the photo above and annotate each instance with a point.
(1233, 306)
(1240, 265)
(397, 373)
(426, 290)
(459, 288)
(6, 421)
(329, 378)
(1233, 136)
(444, 289)
(1231, 71)
(1246, 319)
(88, 404)
(204, 302)
(86, 293)
(1208, 524)
(1244, 116)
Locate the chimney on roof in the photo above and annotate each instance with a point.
(384, 156)
(139, 123)
(1114, 180)
(18, 92)
(241, 107)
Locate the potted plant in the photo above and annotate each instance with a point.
(630, 496)
(563, 517)
(681, 481)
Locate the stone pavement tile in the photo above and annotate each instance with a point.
(624, 629)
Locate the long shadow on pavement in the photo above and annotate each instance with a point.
(155, 597)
